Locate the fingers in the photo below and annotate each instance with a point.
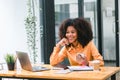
(63, 42)
(80, 58)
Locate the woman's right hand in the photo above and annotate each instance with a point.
(62, 42)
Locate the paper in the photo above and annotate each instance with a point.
(80, 68)
(57, 68)
(63, 71)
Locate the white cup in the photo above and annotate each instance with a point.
(95, 64)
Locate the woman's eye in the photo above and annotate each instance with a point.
(67, 32)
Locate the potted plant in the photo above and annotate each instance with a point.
(10, 60)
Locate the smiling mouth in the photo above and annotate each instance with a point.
(70, 39)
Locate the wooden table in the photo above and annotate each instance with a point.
(103, 74)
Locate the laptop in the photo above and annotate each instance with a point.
(26, 64)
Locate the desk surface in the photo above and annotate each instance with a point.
(103, 74)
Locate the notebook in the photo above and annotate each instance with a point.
(80, 68)
(26, 64)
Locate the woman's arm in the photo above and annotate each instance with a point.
(57, 56)
(96, 55)
(58, 53)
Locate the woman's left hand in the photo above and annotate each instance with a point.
(81, 59)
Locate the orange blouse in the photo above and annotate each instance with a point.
(91, 52)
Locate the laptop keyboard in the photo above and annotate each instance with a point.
(39, 68)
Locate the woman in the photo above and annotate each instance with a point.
(75, 44)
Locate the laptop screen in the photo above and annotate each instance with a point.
(24, 60)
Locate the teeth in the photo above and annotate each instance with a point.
(70, 38)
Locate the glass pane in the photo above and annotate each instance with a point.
(108, 32)
(64, 9)
(119, 29)
(90, 13)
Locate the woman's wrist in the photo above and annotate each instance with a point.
(84, 63)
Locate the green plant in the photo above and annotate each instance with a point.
(31, 30)
(9, 58)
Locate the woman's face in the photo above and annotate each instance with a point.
(71, 34)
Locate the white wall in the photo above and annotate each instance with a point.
(12, 28)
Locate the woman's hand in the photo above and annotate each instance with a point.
(62, 42)
(81, 59)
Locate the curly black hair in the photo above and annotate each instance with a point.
(83, 27)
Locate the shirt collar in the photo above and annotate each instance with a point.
(78, 46)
